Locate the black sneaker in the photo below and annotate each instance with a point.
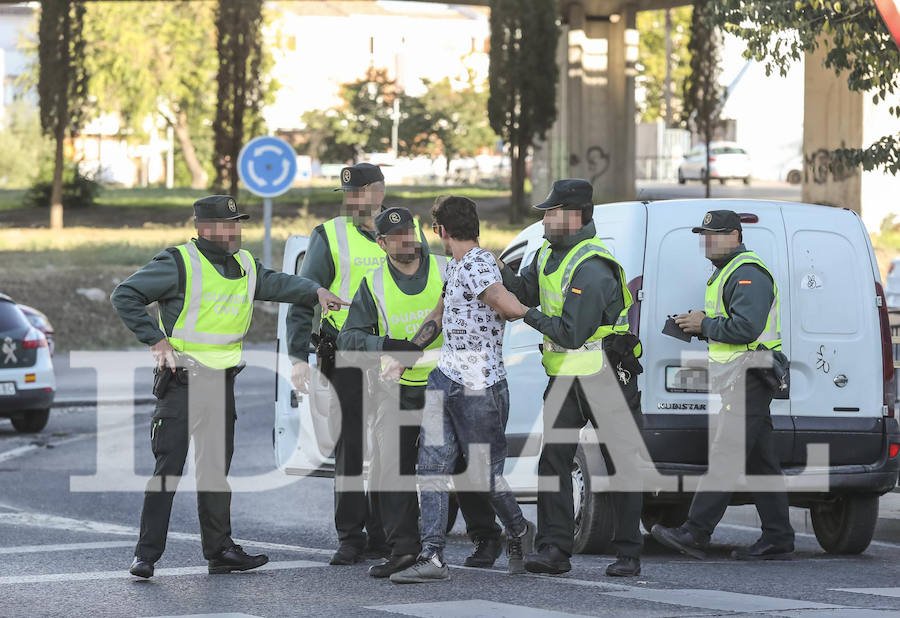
(394, 565)
(763, 550)
(518, 546)
(346, 555)
(680, 539)
(487, 550)
(234, 558)
(141, 568)
(429, 567)
(624, 566)
(548, 559)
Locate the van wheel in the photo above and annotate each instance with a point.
(452, 512)
(721, 181)
(31, 422)
(681, 179)
(845, 525)
(668, 515)
(593, 512)
(746, 180)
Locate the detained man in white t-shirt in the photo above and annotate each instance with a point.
(467, 399)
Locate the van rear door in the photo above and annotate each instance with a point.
(833, 328)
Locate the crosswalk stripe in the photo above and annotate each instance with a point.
(123, 574)
(211, 616)
(34, 549)
(718, 600)
(881, 592)
(469, 607)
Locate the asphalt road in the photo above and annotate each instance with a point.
(65, 553)
(757, 190)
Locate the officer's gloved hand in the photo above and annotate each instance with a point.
(411, 351)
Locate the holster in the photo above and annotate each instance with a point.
(161, 380)
(326, 350)
(619, 350)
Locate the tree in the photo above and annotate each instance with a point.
(62, 84)
(652, 58)
(240, 87)
(160, 65)
(23, 148)
(702, 92)
(455, 120)
(523, 77)
(855, 38)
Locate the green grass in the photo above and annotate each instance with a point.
(11, 198)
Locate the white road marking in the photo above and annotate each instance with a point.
(807, 535)
(211, 616)
(475, 608)
(846, 612)
(42, 520)
(719, 600)
(882, 592)
(34, 549)
(123, 574)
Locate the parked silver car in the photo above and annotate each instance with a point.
(727, 160)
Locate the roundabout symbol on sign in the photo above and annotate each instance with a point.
(267, 165)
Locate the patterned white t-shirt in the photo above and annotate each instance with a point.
(472, 354)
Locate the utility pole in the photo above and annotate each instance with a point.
(668, 88)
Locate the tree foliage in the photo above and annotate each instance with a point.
(162, 66)
(62, 83)
(855, 41)
(652, 57)
(24, 150)
(702, 92)
(241, 89)
(523, 77)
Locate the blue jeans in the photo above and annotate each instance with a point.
(454, 419)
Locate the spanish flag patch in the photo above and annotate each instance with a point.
(576, 290)
(744, 282)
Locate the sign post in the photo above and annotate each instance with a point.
(268, 166)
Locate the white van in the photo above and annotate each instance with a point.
(836, 333)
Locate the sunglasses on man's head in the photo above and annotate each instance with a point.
(436, 228)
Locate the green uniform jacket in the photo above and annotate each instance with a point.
(318, 265)
(162, 280)
(359, 331)
(600, 289)
(747, 305)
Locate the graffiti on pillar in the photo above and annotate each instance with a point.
(597, 162)
(819, 165)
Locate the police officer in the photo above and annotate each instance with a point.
(388, 309)
(584, 299)
(205, 289)
(741, 318)
(340, 253)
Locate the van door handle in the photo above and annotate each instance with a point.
(296, 398)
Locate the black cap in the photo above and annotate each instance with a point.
(573, 192)
(217, 208)
(392, 219)
(719, 221)
(359, 175)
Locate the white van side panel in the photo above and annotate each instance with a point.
(835, 330)
(675, 279)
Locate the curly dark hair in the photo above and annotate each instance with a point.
(458, 215)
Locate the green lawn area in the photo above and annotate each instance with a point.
(11, 198)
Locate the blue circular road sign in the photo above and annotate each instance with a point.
(267, 165)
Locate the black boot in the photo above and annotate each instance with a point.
(487, 550)
(346, 555)
(394, 565)
(548, 559)
(680, 539)
(234, 558)
(624, 566)
(141, 568)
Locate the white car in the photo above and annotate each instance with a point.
(836, 334)
(27, 381)
(727, 160)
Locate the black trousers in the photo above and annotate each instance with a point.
(392, 478)
(708, 507)
(556, 510)
(212, 428)
(353, 511)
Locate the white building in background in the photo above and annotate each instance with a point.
(18, 22)
(317, 46)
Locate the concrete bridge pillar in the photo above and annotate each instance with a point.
(594, 135)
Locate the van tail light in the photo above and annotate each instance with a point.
(893, 449)
(748, 217)
(712, 159)
(34, 339)
(635, 286)
(887, 353)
